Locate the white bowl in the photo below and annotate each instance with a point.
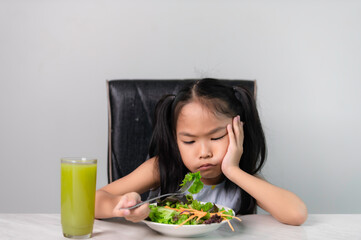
(185, 230)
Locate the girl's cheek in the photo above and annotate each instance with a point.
(225, 145)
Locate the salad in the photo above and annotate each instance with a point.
(184, 210)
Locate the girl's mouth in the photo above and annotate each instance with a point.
(205, 167)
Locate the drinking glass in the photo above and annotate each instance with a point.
(78, 183)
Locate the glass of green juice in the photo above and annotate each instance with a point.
(78, 183)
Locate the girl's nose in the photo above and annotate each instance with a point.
(205, 151)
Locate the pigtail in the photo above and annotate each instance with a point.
(163, 146)
(162, 127)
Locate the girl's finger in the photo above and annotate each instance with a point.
(121, 213)
(236, 127)
(139, 213)
(241, 134)
(142, 211)
(130, 203)
(231, 134)
(238, 130)
(122, 201)
(135, 196)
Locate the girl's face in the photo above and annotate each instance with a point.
(202, 140)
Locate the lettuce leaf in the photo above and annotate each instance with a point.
(161, 214)
(197, 184)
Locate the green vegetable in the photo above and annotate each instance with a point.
(161, 214)
(197, 184)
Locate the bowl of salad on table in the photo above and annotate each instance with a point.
(183, 216)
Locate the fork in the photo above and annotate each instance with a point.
(181, 191)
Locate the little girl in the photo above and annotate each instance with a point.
(211, 128)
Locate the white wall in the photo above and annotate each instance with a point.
(55, 57)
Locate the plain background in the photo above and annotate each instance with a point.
(55, 57)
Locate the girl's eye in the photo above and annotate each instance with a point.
(218, 137)
(188, 142)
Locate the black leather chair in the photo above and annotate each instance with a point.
(131, 105)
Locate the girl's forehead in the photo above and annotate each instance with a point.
(195, 112)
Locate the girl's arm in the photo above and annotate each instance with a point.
(284, 205)
(125, 191)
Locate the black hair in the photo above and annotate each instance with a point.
(221, 99)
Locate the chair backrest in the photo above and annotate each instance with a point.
(131, 105)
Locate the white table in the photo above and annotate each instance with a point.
(317, 226)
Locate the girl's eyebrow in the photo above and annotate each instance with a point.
(209, 133)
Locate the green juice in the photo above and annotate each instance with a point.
(78, 183)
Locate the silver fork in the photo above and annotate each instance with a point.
(181, 191)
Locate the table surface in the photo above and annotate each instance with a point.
(317, 226)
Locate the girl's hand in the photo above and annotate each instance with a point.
(134, 215)
(235, 147)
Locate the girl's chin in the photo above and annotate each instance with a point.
(211, 179)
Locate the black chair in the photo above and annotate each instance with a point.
(131, 105)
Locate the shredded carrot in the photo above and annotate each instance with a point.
(230, 225)
(200, 214)
(224, 215)
(191, 217)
